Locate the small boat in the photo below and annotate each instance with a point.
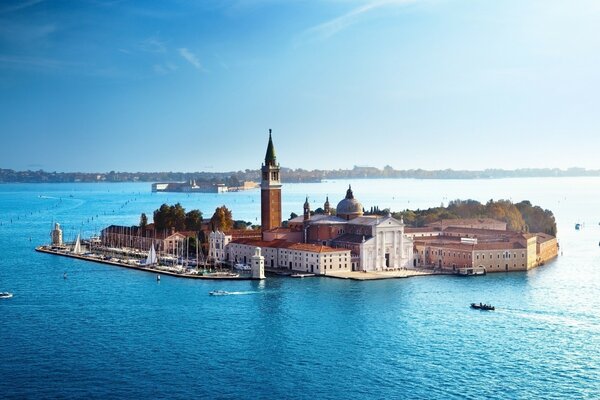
(242, 267)
(218, 293)
(484, 307)
(470, 271)
(5, 295)
(301, 275)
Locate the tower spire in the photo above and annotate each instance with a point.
(270, 158)
(306, 210)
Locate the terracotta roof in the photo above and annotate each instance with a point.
(543, 237)
(282, 244)
(280, 230)
(421, 229)
(457, 245)
(474, 231)
(313, 248)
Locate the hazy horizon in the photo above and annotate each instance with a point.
(257, 168)
(98, 86)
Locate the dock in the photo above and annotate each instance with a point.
(154, 270)
(379, 275)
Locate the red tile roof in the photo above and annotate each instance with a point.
(282, 244)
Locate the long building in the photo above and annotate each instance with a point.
(493, 250)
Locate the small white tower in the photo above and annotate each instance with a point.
(258, 265)
(56, 235)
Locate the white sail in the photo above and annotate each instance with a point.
(151, 259)
(77, 248)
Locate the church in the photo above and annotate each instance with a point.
(319, 243)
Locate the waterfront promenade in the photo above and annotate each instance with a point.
(391, 274)
(157, 270)
(195, 274)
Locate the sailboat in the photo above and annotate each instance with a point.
(77, 248)
(151, 259)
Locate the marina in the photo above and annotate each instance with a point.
(176, 271)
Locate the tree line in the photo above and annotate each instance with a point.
(175, 217)
(520, 217)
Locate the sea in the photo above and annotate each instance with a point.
(108, 332)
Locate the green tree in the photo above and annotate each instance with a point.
(177, 215)
(293, 215)
(162, 217)
(222, 219)
(193, 220)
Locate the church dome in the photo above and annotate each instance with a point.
(349, 207)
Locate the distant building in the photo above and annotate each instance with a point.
(202, 187)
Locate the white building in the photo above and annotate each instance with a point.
(217, 244)
(279, 254)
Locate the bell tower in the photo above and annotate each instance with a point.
(270, 190)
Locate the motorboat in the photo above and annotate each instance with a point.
(5, 295)
(483, 307)
(301, 275)
(470, 271)
(242, 267)
(218, 293)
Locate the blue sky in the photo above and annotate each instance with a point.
(103, 85)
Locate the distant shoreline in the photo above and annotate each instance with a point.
(589, 174)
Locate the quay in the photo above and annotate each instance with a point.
(366, 276)
(391, 274)
(349, 275)
(155, 270)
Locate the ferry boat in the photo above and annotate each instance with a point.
(470, 271)
(483, 307)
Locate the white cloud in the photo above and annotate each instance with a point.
(335, 25)
(191, 58)
(21, 5)
(163, 69)
(153, 45)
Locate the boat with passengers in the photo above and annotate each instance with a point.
(483, 307)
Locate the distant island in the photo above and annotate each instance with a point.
(237, 178)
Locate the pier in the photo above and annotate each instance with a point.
(162, 270)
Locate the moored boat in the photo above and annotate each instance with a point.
(471, 271)
(301, 275)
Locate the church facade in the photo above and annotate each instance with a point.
(317, 243)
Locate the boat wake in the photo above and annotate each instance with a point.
(226, 293)
(581, 321)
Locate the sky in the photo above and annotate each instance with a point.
(99, 85)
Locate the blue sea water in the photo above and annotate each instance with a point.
(107, 332)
